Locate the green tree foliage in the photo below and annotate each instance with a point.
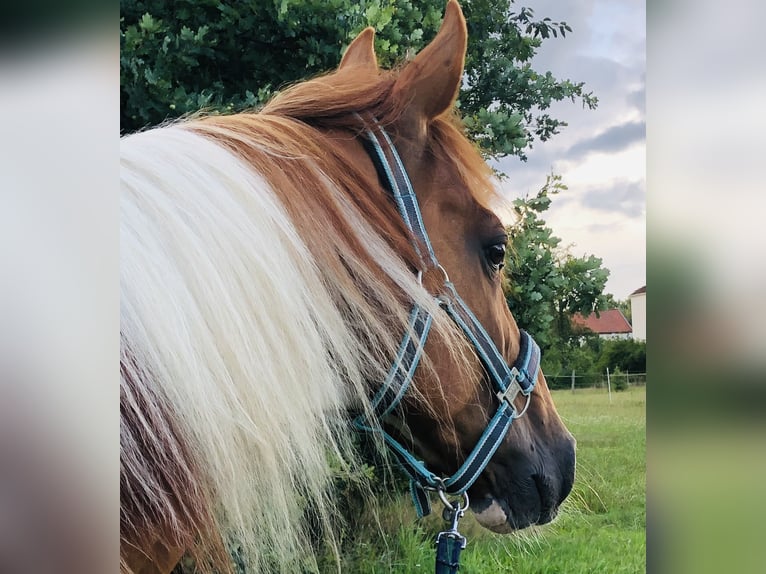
(564, 357)
(178, 57)
(504, 100)
(546, 284)
(624, 354)
(620, 380)
(590, 356)
(622, 304)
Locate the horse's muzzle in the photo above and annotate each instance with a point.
(524, 493)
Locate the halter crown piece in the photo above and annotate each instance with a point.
(508, 382)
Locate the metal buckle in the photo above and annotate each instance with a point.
(512, 391)
(509, 395)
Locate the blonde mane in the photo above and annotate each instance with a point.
(265, 285)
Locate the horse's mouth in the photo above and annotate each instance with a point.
(505, 515)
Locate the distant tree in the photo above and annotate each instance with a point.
(622, 305)
(178, 57)
(620, 380)
(562, 358)
(546, 284)
(625, 354)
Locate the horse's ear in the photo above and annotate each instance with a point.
(432, 80)
(361, 52)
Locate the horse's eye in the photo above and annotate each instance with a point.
(496, 256)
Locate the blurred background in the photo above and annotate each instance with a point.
(59, 302)
(705, 458)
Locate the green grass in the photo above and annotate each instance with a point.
(601, 527)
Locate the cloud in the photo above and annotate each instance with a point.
(526, 176)
(599, 228)
(613, 139)
(637, 99)
(623, 197)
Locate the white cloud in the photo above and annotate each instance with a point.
(599, 170)
(603, 211)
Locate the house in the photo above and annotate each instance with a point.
(609, 324)
(638, 313)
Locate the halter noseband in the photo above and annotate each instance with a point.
(508, 382)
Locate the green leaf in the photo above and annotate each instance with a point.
(148, 23)
(233, 47)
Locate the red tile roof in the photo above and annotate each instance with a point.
(609, 321)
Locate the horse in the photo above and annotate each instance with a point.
(267, 280)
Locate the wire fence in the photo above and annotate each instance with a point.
(576, 380)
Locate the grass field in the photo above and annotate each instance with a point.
(601, 528)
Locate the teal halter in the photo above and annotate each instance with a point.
(508, 382)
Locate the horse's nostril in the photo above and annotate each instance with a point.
(548, 503)
(541, 487)
(545, 491)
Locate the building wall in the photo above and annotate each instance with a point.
(638, 316)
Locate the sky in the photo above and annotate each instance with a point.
(601, 154)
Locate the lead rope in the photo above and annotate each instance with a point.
(450, 543)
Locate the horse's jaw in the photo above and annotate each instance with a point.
(495, 515)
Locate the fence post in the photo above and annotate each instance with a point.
(608, 384)
(573, 380)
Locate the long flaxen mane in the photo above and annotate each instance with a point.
(266, 282)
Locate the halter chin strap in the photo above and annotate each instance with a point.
(508, 382)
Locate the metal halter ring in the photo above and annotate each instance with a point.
(450, 505)
(526, 406)
(438, 266)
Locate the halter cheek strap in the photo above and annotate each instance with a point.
(508, 382)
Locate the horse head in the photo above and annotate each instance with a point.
(532, 471)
